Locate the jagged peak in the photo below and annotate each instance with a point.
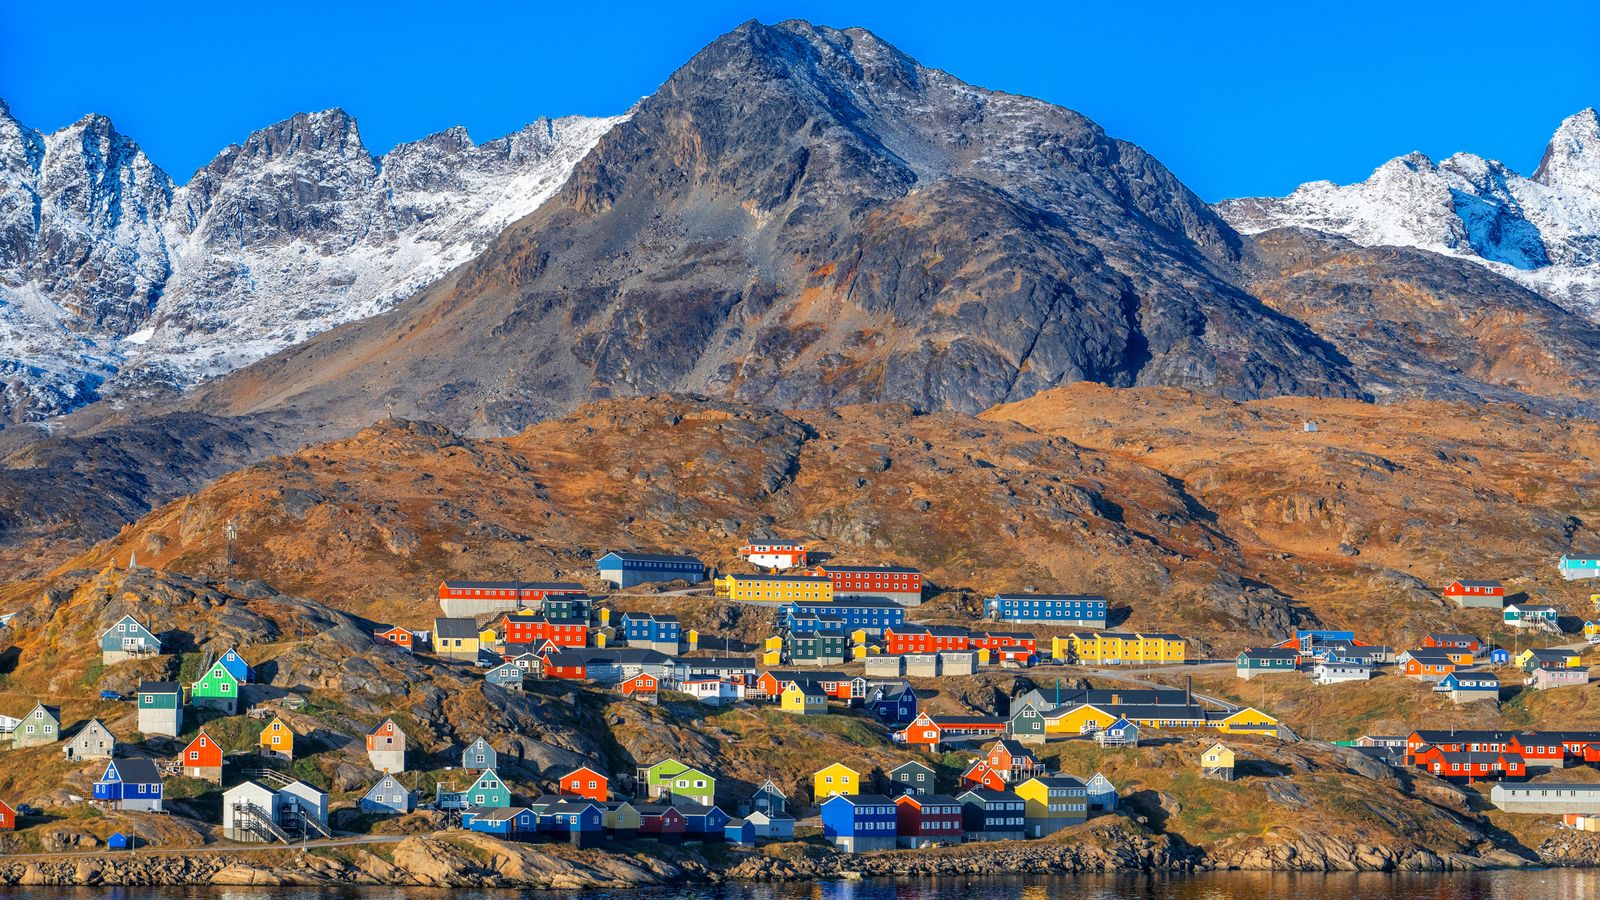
(1572, 158)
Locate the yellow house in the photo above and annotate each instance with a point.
(1572, 660)
(837, 778)
(1120, 648)
(772, 657)
(600, 639)
(1247, 721)
(487, 637)
(621, 817)
(1080, 719)
(775, 588)
(277, 739)
(773, 643)
(859, 651)
(803, 699)
(605, 616)
(859, 637)
(1217, 762)
(1053, 802)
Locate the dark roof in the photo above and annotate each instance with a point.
(455, 628)
(959, 721)
(716, 662)
(929, 799)
(988, 795)
(946, 630)
(484, 585)
(773, 542)
(1428, 654)
(1583, 787)
(499, 813)
(138, 770)
(1482, 736)
(1470, 583)
(656, 809)
(659, 617)
(847, 603)
(1551, 652)
(785, 675)
(1473, 757)
(904, 570)
(861, 799)
(569, 805)
(623, 656)
(756, 576)
(653, 557)
(159, 687)
(1444, 636)
(1269, 653)
(1059, 781)
(911, 764)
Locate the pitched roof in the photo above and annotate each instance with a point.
(1074, 598)
(1446, 637)
(627, 556)
(137, 770)
(1464, 582)
(455, 628)
(159, 687)
(891, 570)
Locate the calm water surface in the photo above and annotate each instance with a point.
(1553, 884)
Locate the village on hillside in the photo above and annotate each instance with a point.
(844, 640)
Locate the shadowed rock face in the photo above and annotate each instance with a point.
(805, 216)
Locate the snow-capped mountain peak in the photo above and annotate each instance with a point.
(112, 275)
(1542, 231)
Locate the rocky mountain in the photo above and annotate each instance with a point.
(1541, 231)
(114, 278)
(803, 216)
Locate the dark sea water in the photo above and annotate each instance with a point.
(1553, 884)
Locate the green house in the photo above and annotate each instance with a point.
(820, 647)
(1027, 724)
(678, 784)
(488, 792)
(217, 689)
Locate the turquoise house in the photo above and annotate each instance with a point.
(1574, 568)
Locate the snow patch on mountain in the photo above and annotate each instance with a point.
(113, 277)
(1542, 231)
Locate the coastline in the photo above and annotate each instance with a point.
(460, 860)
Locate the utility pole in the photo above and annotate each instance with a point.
(231, 531)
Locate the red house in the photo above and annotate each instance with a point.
(524, 592)
(642, 684)
(203, 758)
(1469, 766)
(1453, 642)
(981, 774)
(884, 580)
(563, 664)
(770, 684)
(1016, 646)
(8, 817)
(664, 823)
(396, 637)
(902, 639)
(585, 782)
(1014, 762)
(1458, 741)
(922, 732)
(1475, 590)
(533, 628)
(1540, 748)
(927, 819)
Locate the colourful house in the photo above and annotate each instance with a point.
(923, 820)
(395, 636)
(578, 821)
(1245, 721)
(990, 815)
(218, 689)
(488, 792)
(388, 797)
(1074, 610)
(586, 782)
(774, 588)
(859, 823)
(823, 647)
(480, 755)
(506, 675)
(664, 823)
(1112, 648)
(1217, 762)
(901, 584)
(1574, 568)
(892, 704)
(642, 685)
(621, 819)
(8, 817)
(457, 639)
(42, 725)
(773, 553)
(131, 785)
(277, 739)
(740, 833)
(1053, 803)
(1428, 665)
(386, 747)
(235, 664)
(127, 639)
(803, 698)
(511, 823)
(652, 630)
(1466, 687)
(912, 778)
(624, 570)
(1530, 615)
(202, 758)
(835, 778)
(679, 784)
(868, 615)
(1548, 658)
(704, 823)
(160, 708)
(1476, 594)
(1264, 660)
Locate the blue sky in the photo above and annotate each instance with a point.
(1252, 101)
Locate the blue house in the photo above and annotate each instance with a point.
(768, 799)
(1574, 568)
(579, 821)
(1465, 686)
(892, 704)
(388, 797)
(1101, 794)
(1076, 610)
(704, 823)
(506, 675)
(849, 613)
(650, 629)
(479, 755)
(860, 823)
(512, 822)
(237, 667)
(739, 833)
(130, 785)
(127, 639)
(1499, 656)
(120, 841)
(628, 569)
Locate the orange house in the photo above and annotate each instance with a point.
(203, 758)
(922, 732)
(642, 683)
(586, 782)
(981, 775)
(1427, 664)
(8, 817)
(396, 637)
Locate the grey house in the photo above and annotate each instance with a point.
(160, 708)
(388, 797)
(479, 755)
(93, 741)
(127, 639)
(42, 725)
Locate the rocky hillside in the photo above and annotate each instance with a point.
(1221, 519)
(114, 278)
(803, 216)
(1542, 231)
